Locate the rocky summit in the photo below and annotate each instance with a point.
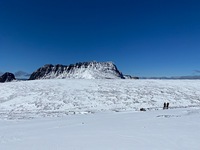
(7, 77)
(81, 70)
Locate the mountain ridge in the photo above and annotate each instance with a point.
(81, 70)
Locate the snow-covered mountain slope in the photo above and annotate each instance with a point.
(173, 129)
(58, 97)
(85, 70)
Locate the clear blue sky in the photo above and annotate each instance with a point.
(142, 37)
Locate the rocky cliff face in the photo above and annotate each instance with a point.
(84, 70)
(7, 77)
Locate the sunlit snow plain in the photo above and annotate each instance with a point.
(77, 114)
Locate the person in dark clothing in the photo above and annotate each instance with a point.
(165, 105)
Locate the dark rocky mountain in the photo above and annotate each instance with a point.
(81, 70)
(21, 75)
(7, 77)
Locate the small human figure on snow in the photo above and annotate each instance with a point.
(165, 106)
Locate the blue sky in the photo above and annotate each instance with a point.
(142, 37)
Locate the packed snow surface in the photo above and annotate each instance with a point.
(58, 97)
(173, 129)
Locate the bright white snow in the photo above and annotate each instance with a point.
(99, 115)
(58, 97)
(173, 129)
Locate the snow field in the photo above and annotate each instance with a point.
(59, 97)
(173, 129)
(113, 122)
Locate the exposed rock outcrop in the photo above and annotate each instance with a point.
(7, 77)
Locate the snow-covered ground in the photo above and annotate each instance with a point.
(173, 129)
(99, 115)
(58, 97)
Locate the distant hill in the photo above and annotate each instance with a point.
(130, 77)
(173, 78)
(22, 75)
